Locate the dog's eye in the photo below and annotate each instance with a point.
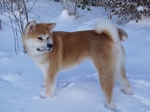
(47, 38)
(40, 38)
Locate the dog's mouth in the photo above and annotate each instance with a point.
(44, 50)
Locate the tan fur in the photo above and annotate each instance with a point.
(71, 48)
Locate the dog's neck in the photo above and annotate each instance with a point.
(39, 58)
(41, 63)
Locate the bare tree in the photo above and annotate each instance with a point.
(18, 15)
(72, 5)
(69, 6)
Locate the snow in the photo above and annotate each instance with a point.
(78, 89)
(141, 8)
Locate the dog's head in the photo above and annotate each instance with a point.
(37, 38)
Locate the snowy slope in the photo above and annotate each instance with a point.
(78, 89)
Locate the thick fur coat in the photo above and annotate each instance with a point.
(54, 51)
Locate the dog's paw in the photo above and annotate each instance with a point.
(44, 96)
(127, 91)
(49, 95)
(110, 106)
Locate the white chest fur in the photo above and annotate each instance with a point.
(39, 62)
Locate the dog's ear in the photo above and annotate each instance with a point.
(51, 26)
(30, 27)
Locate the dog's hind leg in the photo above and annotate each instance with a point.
(124, 81)
(121, 75)
(107, 84)
(106, 76)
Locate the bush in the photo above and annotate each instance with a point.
(126, 10)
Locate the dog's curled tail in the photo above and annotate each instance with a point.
(107, 27)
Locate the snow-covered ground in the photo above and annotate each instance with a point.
(78, 89)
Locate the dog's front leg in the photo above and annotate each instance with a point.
(50, 84)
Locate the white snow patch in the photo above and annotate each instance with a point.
(148, 110)
(141, 8)
(64, 14)
(10, 78)
(141, 99)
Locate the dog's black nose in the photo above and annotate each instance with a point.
(49, 45)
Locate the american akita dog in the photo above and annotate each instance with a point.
(53, 51)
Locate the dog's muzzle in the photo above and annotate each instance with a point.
(48, 48)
